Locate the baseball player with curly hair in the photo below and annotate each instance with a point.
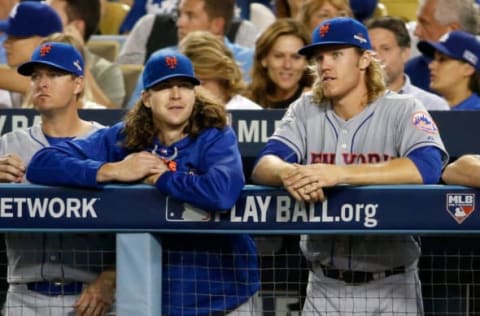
(176, 138)
(350, 130)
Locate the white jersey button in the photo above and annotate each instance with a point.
(344, 146)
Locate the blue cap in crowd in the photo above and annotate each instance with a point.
(31, 18)
(164, 65)
(457, 45)
(363, 9)
(338, 31)
(58, 55)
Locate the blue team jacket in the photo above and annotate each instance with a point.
(202, 273)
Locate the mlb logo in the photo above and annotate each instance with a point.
(460, 205)
(176, 211)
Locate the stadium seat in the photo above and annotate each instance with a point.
(107, 49)
(130, 76)
(120, 38)
(114, 14)
(380, 11)
(405, 9)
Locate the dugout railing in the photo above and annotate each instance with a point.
(133, 212)
(450, 244)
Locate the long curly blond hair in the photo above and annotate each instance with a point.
(140, 130)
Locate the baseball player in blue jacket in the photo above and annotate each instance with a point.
(176, 139)
(348, 130)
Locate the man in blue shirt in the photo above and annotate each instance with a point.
(454, 69)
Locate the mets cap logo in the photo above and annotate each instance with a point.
(324, 29)
(171, 62)
(460, 205)
(424, 122)
(45, 49)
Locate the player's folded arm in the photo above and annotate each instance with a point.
(429, 162)
(53, 166)
(216, 185)
(279, 149)
(75, 162)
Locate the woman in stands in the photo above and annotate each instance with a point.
(216, 69)
(279, 74)
(313, 12)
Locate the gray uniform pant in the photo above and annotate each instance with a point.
(23, 302)
(398, 294)
(249, 308)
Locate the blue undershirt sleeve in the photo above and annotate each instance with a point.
(279, 149)
(428, 161)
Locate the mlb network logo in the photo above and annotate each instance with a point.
(460, 205)
(176, 211)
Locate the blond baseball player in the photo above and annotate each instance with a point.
(349, 130)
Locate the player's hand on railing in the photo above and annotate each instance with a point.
(12, 168)
(306, 182)
(308, 192)
(152, 179)
(166, 165)
(97, 298)
(133, 168)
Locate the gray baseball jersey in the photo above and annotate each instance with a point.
(393, 126)
(41, 256)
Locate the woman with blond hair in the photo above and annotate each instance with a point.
(279, 73)
(314, 12)
(217, 69)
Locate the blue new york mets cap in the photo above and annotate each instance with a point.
(167, 64)
(31, 18)
(57, 55)
(457, 45)
(338, 31)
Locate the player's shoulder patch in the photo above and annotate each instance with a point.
(424, 122)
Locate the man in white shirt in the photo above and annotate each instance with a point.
(391, 41)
